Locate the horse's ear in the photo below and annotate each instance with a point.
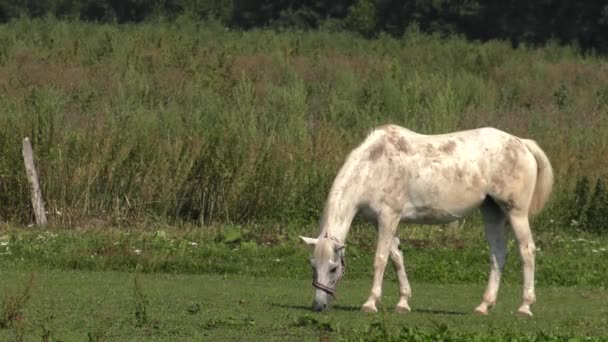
(309, 241)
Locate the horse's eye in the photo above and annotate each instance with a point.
(333, 270)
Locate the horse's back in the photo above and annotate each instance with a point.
(438, 178)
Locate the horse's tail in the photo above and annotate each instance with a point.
(544, 178)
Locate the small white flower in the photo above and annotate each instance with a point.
(4, 243)
(137, 251)
(192, 243)
(595, 251)
(277, 260)
(116, 243)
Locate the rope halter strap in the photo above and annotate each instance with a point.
(331, 290)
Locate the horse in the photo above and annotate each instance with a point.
(397, 175)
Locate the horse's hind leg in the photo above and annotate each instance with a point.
(387, 227)
(494, 221)
(405, 292)
(521, 229)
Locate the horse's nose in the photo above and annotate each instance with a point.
(319, 307)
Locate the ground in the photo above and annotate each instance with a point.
(71, 305)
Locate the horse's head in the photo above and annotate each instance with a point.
(327, 265)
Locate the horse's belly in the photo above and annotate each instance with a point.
(442, 207)
(430, 215)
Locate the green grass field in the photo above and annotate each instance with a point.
(232, 284)
(71, 305)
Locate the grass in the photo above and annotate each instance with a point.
(432, 255)
(187, 121)
(250, 282)
(74, 305)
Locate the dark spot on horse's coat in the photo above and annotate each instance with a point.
(448, 147)
(510, 202)
(507, 204)
(459, 174)
(510, 160)
(376, 152)
(402, 145)
(499, 183)
(430, 151)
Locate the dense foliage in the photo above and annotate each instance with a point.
(581, 22)
(180, 121)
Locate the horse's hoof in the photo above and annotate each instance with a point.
(481, 310)
(369, 309)
(524, 311)
(403, 309)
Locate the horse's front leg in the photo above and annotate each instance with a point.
(387, 227)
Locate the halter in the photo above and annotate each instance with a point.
(331, 290)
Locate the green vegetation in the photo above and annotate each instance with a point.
(432, 255)
(188, 122)
(173, 148)
(568, 22)
(69, 306)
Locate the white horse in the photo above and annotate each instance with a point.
(399, 175)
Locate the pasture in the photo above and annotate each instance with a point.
(197, 286)
(72, 305)
(181, 160)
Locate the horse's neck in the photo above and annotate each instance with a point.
(339, 212)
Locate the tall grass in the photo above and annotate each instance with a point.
(189, 121)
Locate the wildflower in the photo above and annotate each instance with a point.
(3, 243)
(192, 243)
(137, 251)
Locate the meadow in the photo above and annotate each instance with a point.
(192, 285)
(188, 121)
(179, 162)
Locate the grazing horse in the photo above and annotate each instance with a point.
(397, 175)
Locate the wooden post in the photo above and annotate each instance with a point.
(32, 177)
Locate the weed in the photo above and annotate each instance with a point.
(194, 308)
(46, 330)
(158, 127)
(14, 304)
(589, 207)
(19, 330)
(141, 304)
(562, 96)
(313, 322)
(97, 336)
